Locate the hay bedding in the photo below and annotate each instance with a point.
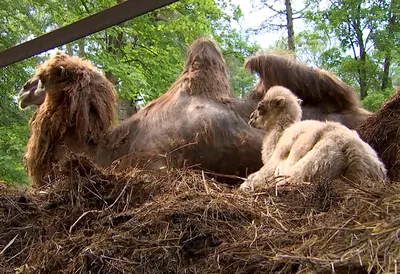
(97, 221)
(382, 132)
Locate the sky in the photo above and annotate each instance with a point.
(253, 17)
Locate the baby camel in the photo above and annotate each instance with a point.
(310, 150)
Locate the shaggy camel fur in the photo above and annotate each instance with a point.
(197, 123)
(78, 108)
(381, 131)
(324, 96)
(310, 150)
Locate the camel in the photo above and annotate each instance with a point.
(324, 96)
(197, 123)
(193, 124)
(309, 150)
(79, 106)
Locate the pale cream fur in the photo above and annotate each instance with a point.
(307, 151)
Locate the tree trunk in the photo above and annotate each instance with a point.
(114, 45)
(70, 50)
(81, 47)
(363, 74)
(362, 61)
(126, 108)
(386, 81)
(290, 28)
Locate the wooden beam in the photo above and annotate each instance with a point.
(84, 27)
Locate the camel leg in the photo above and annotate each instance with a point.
(257, 179)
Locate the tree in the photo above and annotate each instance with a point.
(357, 26)
(282, 18)
(331, 42)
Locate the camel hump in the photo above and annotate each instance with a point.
(313, 85)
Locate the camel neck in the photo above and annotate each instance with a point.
(273, 133)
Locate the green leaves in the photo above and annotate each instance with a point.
(13, 140)
(355, 39)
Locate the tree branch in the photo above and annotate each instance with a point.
(299, 17)
(85, 6)
(146, 48)
(274, 10)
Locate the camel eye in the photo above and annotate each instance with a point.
(62, 72)
(262, 110)
(42, 80)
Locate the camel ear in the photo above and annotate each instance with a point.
(299, 101)
(62, 72)
(278, 102)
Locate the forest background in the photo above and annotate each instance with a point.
(355, 39)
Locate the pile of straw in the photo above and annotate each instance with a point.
(97, 221)
(382, 132)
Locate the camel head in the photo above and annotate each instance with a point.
(31, 94)
(62, 74)
(51, 73)
(279, 105)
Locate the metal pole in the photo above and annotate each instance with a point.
(84, 27)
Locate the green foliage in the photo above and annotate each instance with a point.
(13, 140)
(356, 40)
(17, 24)
(376, 98)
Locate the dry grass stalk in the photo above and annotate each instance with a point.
(98, 221)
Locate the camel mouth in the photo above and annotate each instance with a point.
(21, 103)
(253, 118)
(251, 121)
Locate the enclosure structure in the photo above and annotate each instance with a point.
(107, 18)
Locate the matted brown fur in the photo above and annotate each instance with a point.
(79, 107)
(323, 94)
(382, 132)
(196, 123)
(204, 74)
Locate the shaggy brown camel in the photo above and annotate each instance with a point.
(78, 108)
(307, 150)
(197, 123)
(194, 124)
(324, 96)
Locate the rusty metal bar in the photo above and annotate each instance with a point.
(84, 27)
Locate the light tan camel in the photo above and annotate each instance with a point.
(307, 151)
